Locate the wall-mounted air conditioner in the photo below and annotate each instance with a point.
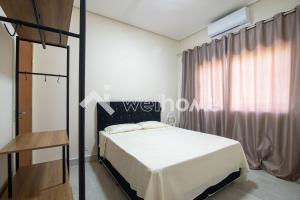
(229, 23)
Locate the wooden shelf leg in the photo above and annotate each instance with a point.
(9, 168)
(64, 164)
(68, 160)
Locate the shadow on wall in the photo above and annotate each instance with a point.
(6, 100)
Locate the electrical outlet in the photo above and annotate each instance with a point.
(86, 148)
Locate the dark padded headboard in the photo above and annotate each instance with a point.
(127, 112)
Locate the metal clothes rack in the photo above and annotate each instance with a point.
(82, 42)
(42, 74)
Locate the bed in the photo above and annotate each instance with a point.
(167, 162)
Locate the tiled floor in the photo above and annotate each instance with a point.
(101, 186)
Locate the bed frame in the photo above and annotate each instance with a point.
(134, 112)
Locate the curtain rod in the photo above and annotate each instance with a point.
(252, 26)
(268, 20)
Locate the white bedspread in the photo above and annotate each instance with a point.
(172, 163)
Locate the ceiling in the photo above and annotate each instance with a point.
(176, 19)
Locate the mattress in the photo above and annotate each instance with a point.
(172, 163)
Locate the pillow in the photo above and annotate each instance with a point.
(122, 128)
(152, 124)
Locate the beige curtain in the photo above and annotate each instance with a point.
(247, 87)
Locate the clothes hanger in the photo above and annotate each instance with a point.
(60, 38)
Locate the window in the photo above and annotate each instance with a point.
(210, 87)
(260, 79)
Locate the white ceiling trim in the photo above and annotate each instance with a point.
(157, 16)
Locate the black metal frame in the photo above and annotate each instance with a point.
(17, 98)
(81, 138)
(44, 74)
(18, 72)
(9, 170)
(64, 164)
(81, 134)
(45, 28)
(37, 19)
(68, 107)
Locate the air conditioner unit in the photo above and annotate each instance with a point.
(229, 23)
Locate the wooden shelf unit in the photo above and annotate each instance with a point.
(54, 13)
(40, 182)
(34, 141)
(46, 22)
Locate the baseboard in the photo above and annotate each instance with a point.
(87, 159)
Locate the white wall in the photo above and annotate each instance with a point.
(48, 98)
(136, 64)
(261, 10)
(6, 99)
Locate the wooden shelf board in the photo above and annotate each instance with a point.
(54, 13)
(34, 141)
(40, 182)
